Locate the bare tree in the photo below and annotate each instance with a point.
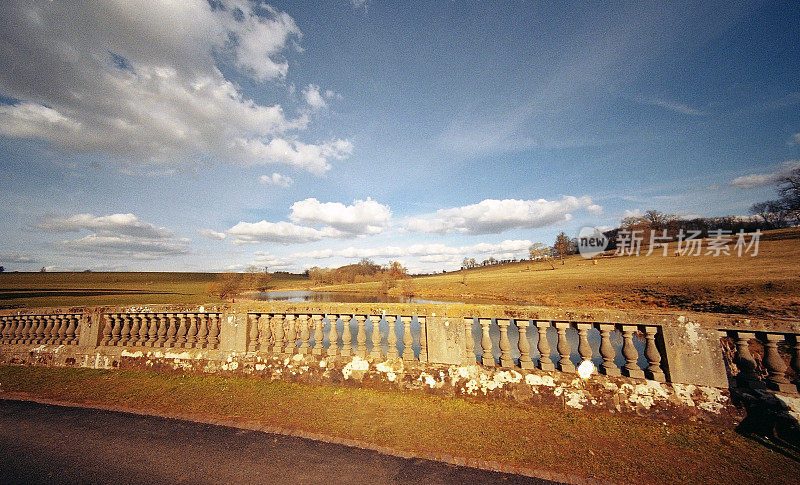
(563, 246)
(540, 252)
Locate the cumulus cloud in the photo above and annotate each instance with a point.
(362, 217)
(632, 213)
(115, 235)
(426, 252)
(139, 81)
(493, 216)
(277, 232)
(756, 180)
(276, 179)
(211, 234)
(313, 97)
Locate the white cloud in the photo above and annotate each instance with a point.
(669, 105)
(796, 139)
(16, 259)
(211, 234)
(632, 213)
(277, 232)
(313, 97)
(139, 81)
(362, 217)
(756, 180)
(122, 224)
(276, 179)
(493, 216)
(507, 248)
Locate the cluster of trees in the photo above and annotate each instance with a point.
(469, 263)
(363, 271)
(785, 210)
(230, 285)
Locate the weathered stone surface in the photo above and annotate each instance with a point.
(694, 354)
(446, 340)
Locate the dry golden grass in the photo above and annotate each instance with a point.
(765, 285)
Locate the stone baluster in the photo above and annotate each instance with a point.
(361, 337)
(545, 363)
(70, 336)
(608, 367)
(264, 332)
(62, 329)
(125, 332)
(213, 331)
(26, 330)
(423, 340)
(776, 367)
(291, 334)
(135, 324)
(4, 330)
(191, 333)
(144, 329)
(21, 331)
(469, 354)
(48, 330)
(116, 329)
(505, 343)
(305, 336)
(584, 349)
(347, 336)
(44, 336)
(172, 330)
(277, 348)
(487, 358)
(180, 337)
(318, 335)
(391, 338)
(408, 340)
(152, 330)
(39, 334)
(525, 360)
(564, 364)
(108, 325)
(77, 329)
(631, 368)
(252, 334)
(652, 355)
(376, 337)
(32, 339)
(202, 331)
(161, 333)
(16, 330)
(333, 336)
(794, 345)
(11, 329)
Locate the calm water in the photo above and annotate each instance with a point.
(300, 296)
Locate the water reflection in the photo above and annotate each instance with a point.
(301, 296)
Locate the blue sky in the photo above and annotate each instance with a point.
(215, 135)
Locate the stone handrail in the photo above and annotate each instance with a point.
(771, 360)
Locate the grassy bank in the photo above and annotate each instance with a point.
(765, 285)
(584, 443)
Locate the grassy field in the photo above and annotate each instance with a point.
(629, 449)
(765, 285)
(90, 288)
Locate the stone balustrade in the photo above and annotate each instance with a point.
(760, 360)
(169, 330)
(51, 329)
(664, 347)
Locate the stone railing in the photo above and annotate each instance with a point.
(663, 347)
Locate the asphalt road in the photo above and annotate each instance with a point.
(54, 444)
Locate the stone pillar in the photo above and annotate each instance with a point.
(152, 330)
(202, 331)
(305, 347)
(487, 358)
(133, 339)
(361, 337)
(38, 335)
(564, 364)
(376, 337)
(584, 349)
(545, 363)
(525, 360)
(191, 333)
(264, 332)
(180, 338)
(252, 334)
(144, 329)
(69, 338)
(333, 336)
(162, 330)
(654, 371)
(116, 329)
(608, 367)
(347, 336)
(408, 340)
(505, 344)
(291, 334)
(213, 332)
(318, 335)
(469, 356)
(172, 330)
(391, 338)
(277, 348)
(631, 368)
(794, 345)
(48, 330)
(776, 367)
